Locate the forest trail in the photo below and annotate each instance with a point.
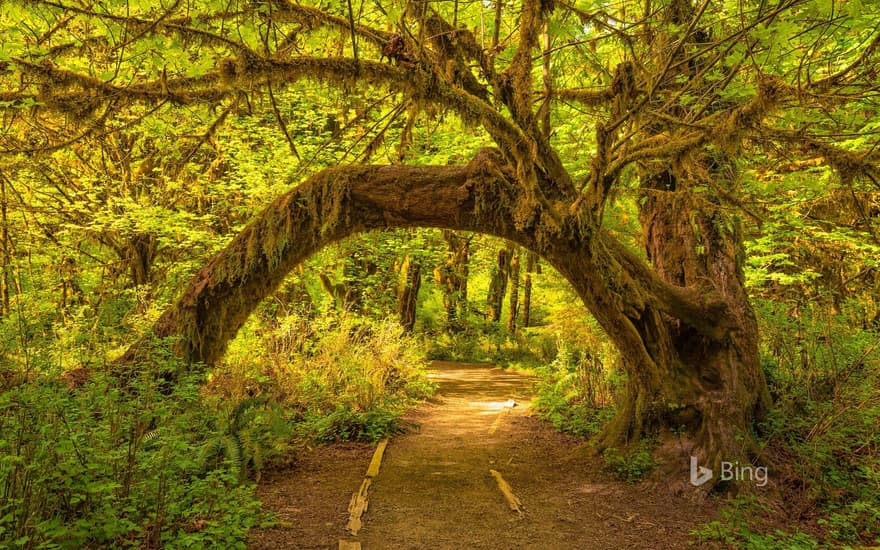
(435, 490)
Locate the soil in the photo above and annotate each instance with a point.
(434, 489)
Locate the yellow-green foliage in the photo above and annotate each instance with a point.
(354, 373)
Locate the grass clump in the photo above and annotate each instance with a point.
(341, 378)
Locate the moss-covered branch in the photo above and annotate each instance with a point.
(65, 90)
(849, 164)
(584, 96)
(311, 18)
(700, 308)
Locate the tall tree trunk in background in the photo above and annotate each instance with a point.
(443, 276)
(514, 290)
(452, 276)
(141, 251)
(531, 258)
(461, 269)
(5, 253)
(336, 291)
(498, 285)
(409, 292)
(71, 292)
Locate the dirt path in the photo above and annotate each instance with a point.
(435, 491)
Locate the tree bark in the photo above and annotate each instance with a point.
(141, 251)
(498, 285)
(336, 292)
(5, 255)
(409, 293)
(531, 259)
(713, 387)
(514, 290)
(452, 276)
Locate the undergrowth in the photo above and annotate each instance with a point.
(633, 464)
(577, 391)
(580, 386)
(157, 465)
(340, 377)
(482, 342)
(734, 528)
(102, 465)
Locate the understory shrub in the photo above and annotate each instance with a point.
(734, 528)
(579, 387)
(631, 464)
(106, 465)
(339, 377)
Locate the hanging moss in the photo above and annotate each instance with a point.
(326, 203)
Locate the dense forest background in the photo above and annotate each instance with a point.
(118, 184)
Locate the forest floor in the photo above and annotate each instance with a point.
(434, 489)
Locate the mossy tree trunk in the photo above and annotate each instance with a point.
(698, 376)
(513, 304)
(335, 291)
(689, 344)
(498, 285)
(5, 254)
(452, 277)
(141, 251)
(700, 380)
(531, 260)
(141, 248)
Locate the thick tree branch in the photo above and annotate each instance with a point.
(74, 91)
(339, 202)
(848, 163)
(701, 308)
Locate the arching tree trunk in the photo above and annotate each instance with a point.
(689, 346)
